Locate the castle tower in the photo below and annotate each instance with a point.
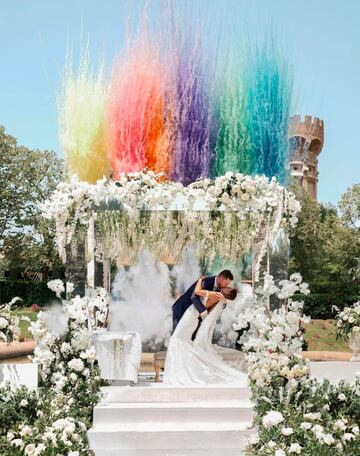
(306, 142)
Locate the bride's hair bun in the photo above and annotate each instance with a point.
(231, 294)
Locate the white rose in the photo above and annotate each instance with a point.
(9, 436)
(287, 431)
(295, 448)
(306, 426)
(76, 364)
(312, 416)
(30, 449)
(351, 319)
(17, 443)
(3, 323)
(328, 439)
(272, 418)
(24, 403)
(342, 397)
(280, 453)
(348, 436)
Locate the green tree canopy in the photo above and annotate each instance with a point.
(325, 245)
(27, 178)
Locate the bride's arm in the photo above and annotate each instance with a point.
(212, 296)
(199, 290)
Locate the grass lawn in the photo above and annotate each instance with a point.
(321, 336)
(24, 325)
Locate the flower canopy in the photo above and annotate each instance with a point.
(220, 217)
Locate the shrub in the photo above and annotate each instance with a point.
(30, 292)
(319, 305)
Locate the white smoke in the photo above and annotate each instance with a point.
(224, 333)
(55, 319)
(187, 271)
(142, 301)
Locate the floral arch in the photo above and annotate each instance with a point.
(232, 215)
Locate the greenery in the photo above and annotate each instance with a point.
(318, 418)
(321, 335)
(325, 249)
(29, 292)
(24, 325)
(27, 178)
(320, 305)
(37, 422)
(53, 420)
(325, 246)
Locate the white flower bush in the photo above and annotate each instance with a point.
(10, 323)
(294, 414)
(237, 206)
(54, 420)
(348, 321)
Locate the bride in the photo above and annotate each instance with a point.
(199, 361)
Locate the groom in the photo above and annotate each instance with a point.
(212, 284)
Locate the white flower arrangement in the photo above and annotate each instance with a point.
(348, 321)
(10, 323)
(294, 413)
(227, 212)
(57, 286)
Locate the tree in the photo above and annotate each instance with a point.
(324, 245)
(350, 207)
(306, 246)
(350, 216)
(27, 178)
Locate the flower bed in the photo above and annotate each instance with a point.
(54, 419)
(293, 413)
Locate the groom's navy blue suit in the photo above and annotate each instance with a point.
(180, 306)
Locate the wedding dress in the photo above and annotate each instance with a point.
(198, 362)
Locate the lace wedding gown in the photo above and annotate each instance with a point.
(198, 362)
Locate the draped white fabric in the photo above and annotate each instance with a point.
(199, 362)
(119, 354)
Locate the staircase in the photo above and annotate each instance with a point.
(162, 420)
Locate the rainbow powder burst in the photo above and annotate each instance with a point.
(137, 137)
(232, 134)
(190, 108)
(174, 106)
(268, 91)
(82, 123)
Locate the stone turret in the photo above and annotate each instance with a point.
(306, 142)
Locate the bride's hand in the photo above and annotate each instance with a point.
(216, 295)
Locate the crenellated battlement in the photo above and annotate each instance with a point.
(310, 128)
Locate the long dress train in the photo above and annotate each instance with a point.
(198, 362)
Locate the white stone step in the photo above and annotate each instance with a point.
(170, 452)
(160, 436)
(174, 412)
(166, 393)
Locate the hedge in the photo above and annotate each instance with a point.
(30, 292)
(319, 305)
(335, 288)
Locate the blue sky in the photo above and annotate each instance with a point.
(322, 37)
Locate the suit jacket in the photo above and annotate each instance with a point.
(181, 305)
